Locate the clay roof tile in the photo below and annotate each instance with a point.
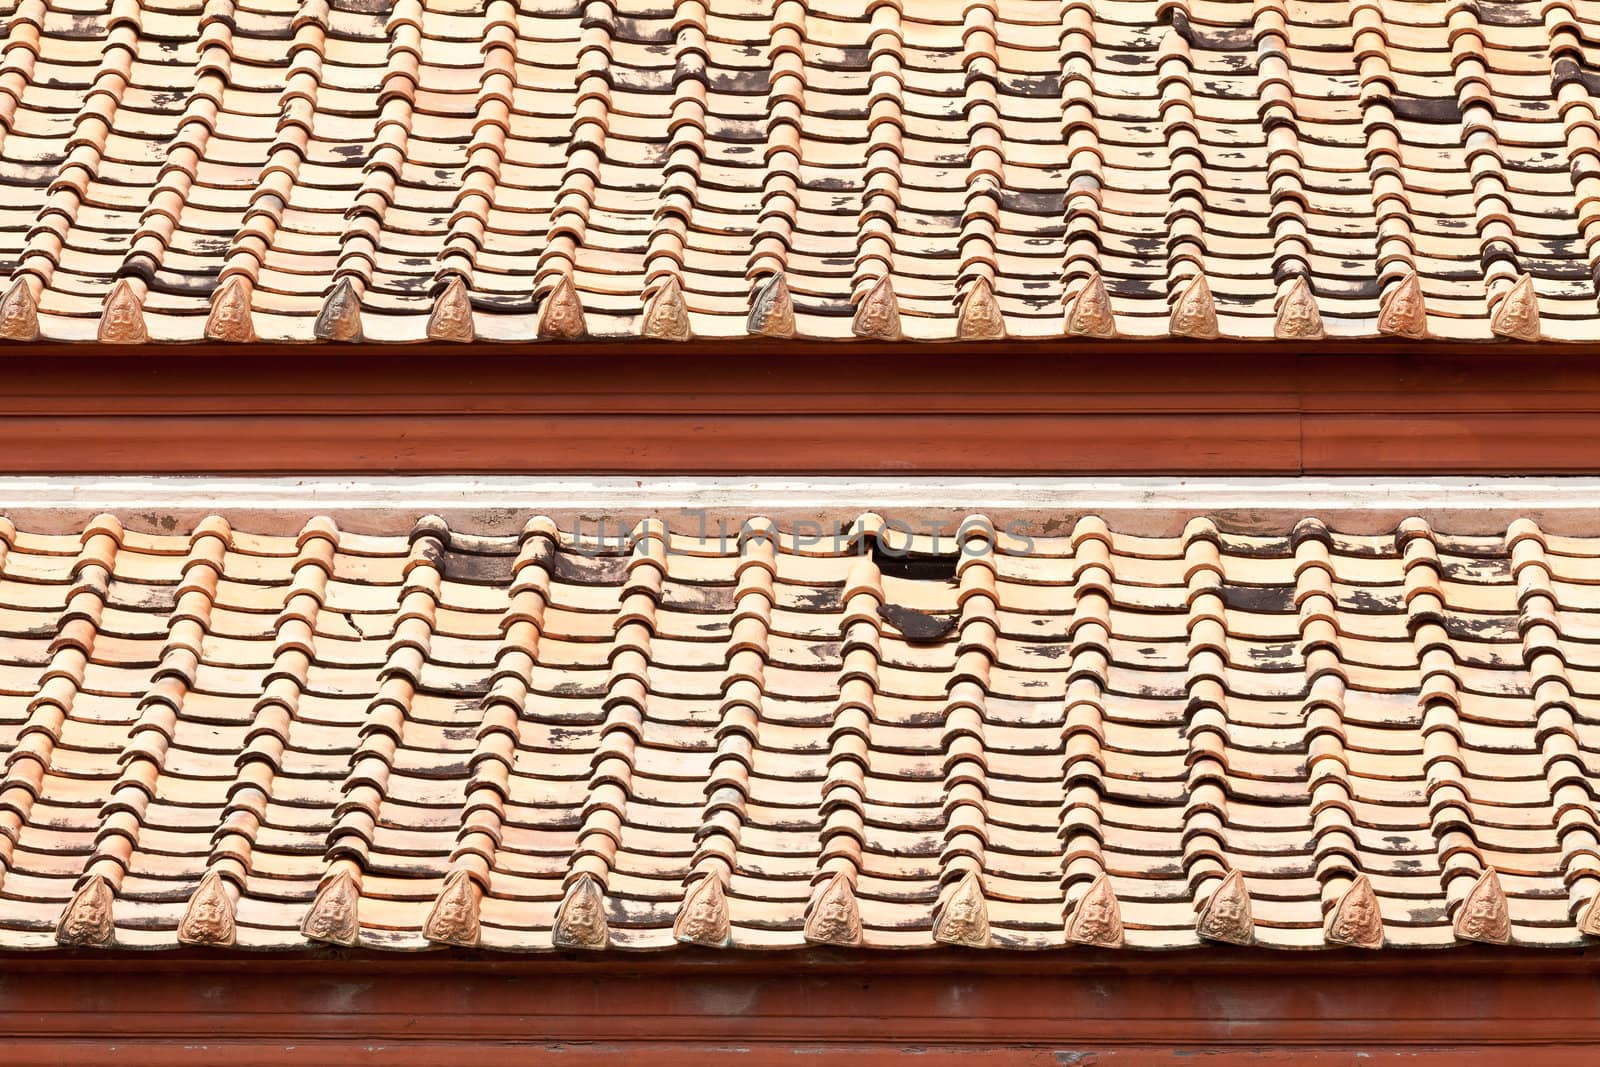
(1148, 812)
(1043, 184)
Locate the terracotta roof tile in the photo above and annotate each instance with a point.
(417, 170)
(1294, 739)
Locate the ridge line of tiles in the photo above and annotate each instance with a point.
(29, 759)
(89, 918)
(1090, 908)
(961, 915)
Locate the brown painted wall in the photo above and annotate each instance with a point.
(798, 408)
(702, 1009)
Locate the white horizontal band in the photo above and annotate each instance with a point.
(501, 503)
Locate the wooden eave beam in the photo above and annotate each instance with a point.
(706, 1008)
(796, 407)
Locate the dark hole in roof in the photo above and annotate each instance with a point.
(920, 566)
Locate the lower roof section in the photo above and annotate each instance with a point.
(1027, 729)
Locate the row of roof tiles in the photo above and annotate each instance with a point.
(765, 740)
(465, 169)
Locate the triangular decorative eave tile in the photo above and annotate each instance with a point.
(581, 918)
(1097, 919)
(1194, 314)
(453, 920)
(1402, 311)
(230, 318)
(340, 317)
(334, 916)
(834, 918)
(877, 316)
(1355, 920)
(979, 318)
(208, 919)
(962, 917)
(122, 319)
(1589, 921)
(1299, 318)
(1484, 915)
(451, 317)
(1516, 316)
(772, 310)
(561, 314)
(19, 313)
(1226, 915)
(703, 916)
(86, 920)
(666, 316)
(1089, 312)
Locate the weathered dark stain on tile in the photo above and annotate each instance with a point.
(704, 599)
(475, 569)
(1369, 602)
(808, 598)
(1259, 598)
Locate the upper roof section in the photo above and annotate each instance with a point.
(454, 169)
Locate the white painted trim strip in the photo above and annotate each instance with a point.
(497, 503)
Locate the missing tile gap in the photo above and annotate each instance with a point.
(919, 566)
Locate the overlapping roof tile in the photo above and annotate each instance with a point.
(769, 738)
(179, 170)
